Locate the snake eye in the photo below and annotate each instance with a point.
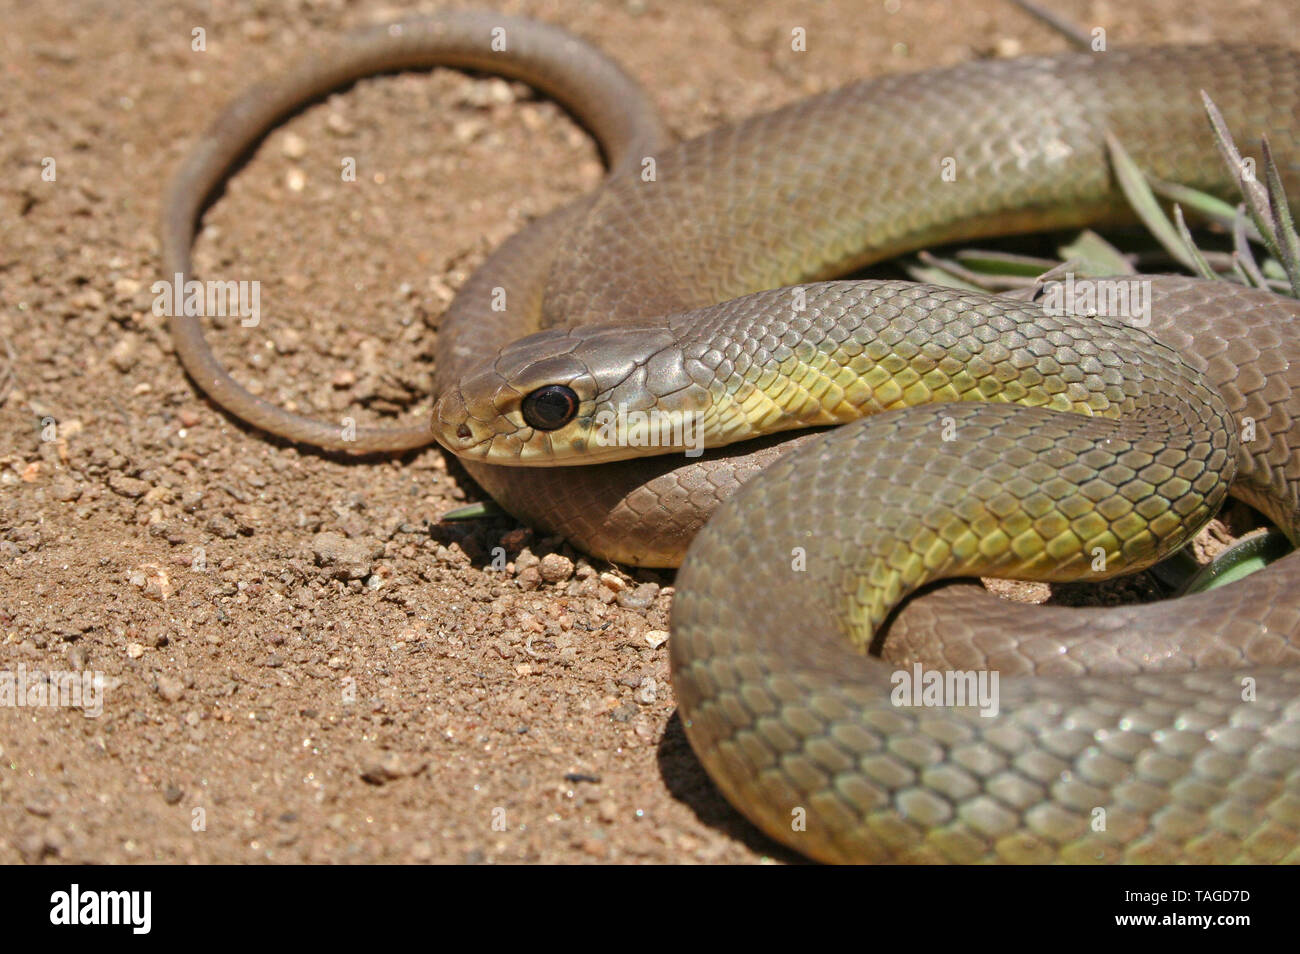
(550, 408)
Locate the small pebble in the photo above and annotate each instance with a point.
(648, 692)
(293, 146)
(342, 558)
(640, 597)
(391, 765)
(170, 688)
(128, 486)
(65, 489)
(556, 568)
(125, 353)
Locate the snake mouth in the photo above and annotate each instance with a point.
(586, 441)
(498, 440)
(457, 430)
(495, 427)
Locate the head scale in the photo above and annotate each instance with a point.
(575, 396)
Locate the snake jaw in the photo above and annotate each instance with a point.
(634, 393)
(460, 431)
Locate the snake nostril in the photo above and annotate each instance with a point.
(463, 432)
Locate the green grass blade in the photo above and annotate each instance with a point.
(936, 276)
(1287, 241)
(1094, 256)
(1003, 263)
(1243, 256)
(1256, 198)
(474, 511)
(1198, 260)
(1243, 558)
(1207, 206)
(1134, 186)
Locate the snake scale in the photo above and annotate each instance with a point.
(1162, 732)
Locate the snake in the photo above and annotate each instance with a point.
(863, 441)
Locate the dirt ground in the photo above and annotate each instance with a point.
(299, 662)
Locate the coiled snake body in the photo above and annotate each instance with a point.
(1121, 444)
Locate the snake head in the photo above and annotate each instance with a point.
(576, 396)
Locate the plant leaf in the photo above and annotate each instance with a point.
(1134, 186)
(1093, 256)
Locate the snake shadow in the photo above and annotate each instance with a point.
(688, 783)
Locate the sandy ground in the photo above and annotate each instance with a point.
(299, 663)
